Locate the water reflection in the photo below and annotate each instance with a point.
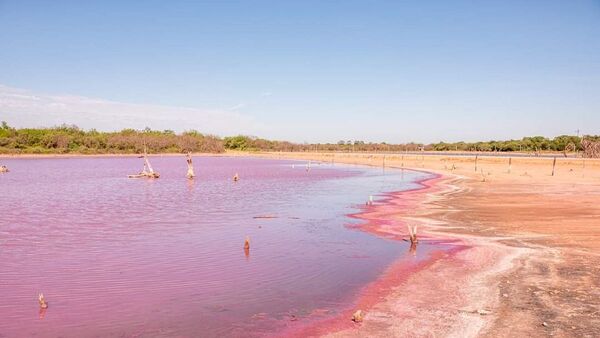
(190, 184)
(413, 249)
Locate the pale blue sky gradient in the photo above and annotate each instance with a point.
(315, 71)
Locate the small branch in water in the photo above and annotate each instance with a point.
(190, 173)
(42, 301)
(264, 216)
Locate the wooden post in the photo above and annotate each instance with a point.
(476, 156)
(509, 164)
(384, 160)
(553, 165)
(402, 165)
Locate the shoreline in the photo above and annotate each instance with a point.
(532, 263)
(399, 291)
(412, 157)
(399, 271)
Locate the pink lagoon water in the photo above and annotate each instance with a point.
(118, 257)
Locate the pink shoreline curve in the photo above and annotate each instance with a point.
(394, 275)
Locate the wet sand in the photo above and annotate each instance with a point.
(530, 264)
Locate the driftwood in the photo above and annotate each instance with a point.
(247, 247)
(144, 175)
(147, 172)
(264, 217)
(412, 233)
(190, 172)
(358, 316)
(4, 169)
(42, 301)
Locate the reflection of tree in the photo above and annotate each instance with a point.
(413, 248)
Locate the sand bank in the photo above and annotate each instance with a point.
(531, 266)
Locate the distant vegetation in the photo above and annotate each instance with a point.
(564, 143)
(71, 139)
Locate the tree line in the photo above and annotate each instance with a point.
(71, 139)
(536, 144)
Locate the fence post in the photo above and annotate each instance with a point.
(553, 165)
(476, 156)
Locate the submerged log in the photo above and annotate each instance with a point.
(145, 175)
(264, 217)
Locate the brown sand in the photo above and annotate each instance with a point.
(533, 268)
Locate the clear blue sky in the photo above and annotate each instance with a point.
(316, 71)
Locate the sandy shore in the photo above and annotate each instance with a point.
(531, 266)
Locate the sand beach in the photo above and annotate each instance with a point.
(530, 262)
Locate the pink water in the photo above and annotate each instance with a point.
(126, 257)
